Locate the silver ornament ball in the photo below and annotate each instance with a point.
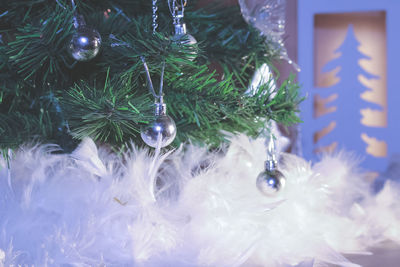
(163, 128)
(181, 37)
(185, 39)
(270, 182)
(85, 43)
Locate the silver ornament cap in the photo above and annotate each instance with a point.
(162, 130)
(85, 42)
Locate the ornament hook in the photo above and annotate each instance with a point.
(177, 10)
(271, 162)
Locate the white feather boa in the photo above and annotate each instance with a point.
(190, 207)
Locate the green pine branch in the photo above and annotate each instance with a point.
(112, 114)
(46, 95)
(39, 51)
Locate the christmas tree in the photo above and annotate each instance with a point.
(92, 70)
(48, 95)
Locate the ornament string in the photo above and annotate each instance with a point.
(150, 83)
(155, 16)
(160, 92)
(146, 68)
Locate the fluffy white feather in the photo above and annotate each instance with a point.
(188, 207)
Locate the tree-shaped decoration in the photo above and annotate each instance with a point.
(346, 115)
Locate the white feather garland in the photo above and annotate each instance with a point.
(189, 207)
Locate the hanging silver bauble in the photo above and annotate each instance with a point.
(85, 43)
(181, 37)
(162, 130)
(270, 182)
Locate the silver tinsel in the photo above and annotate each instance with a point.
(268, 16)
